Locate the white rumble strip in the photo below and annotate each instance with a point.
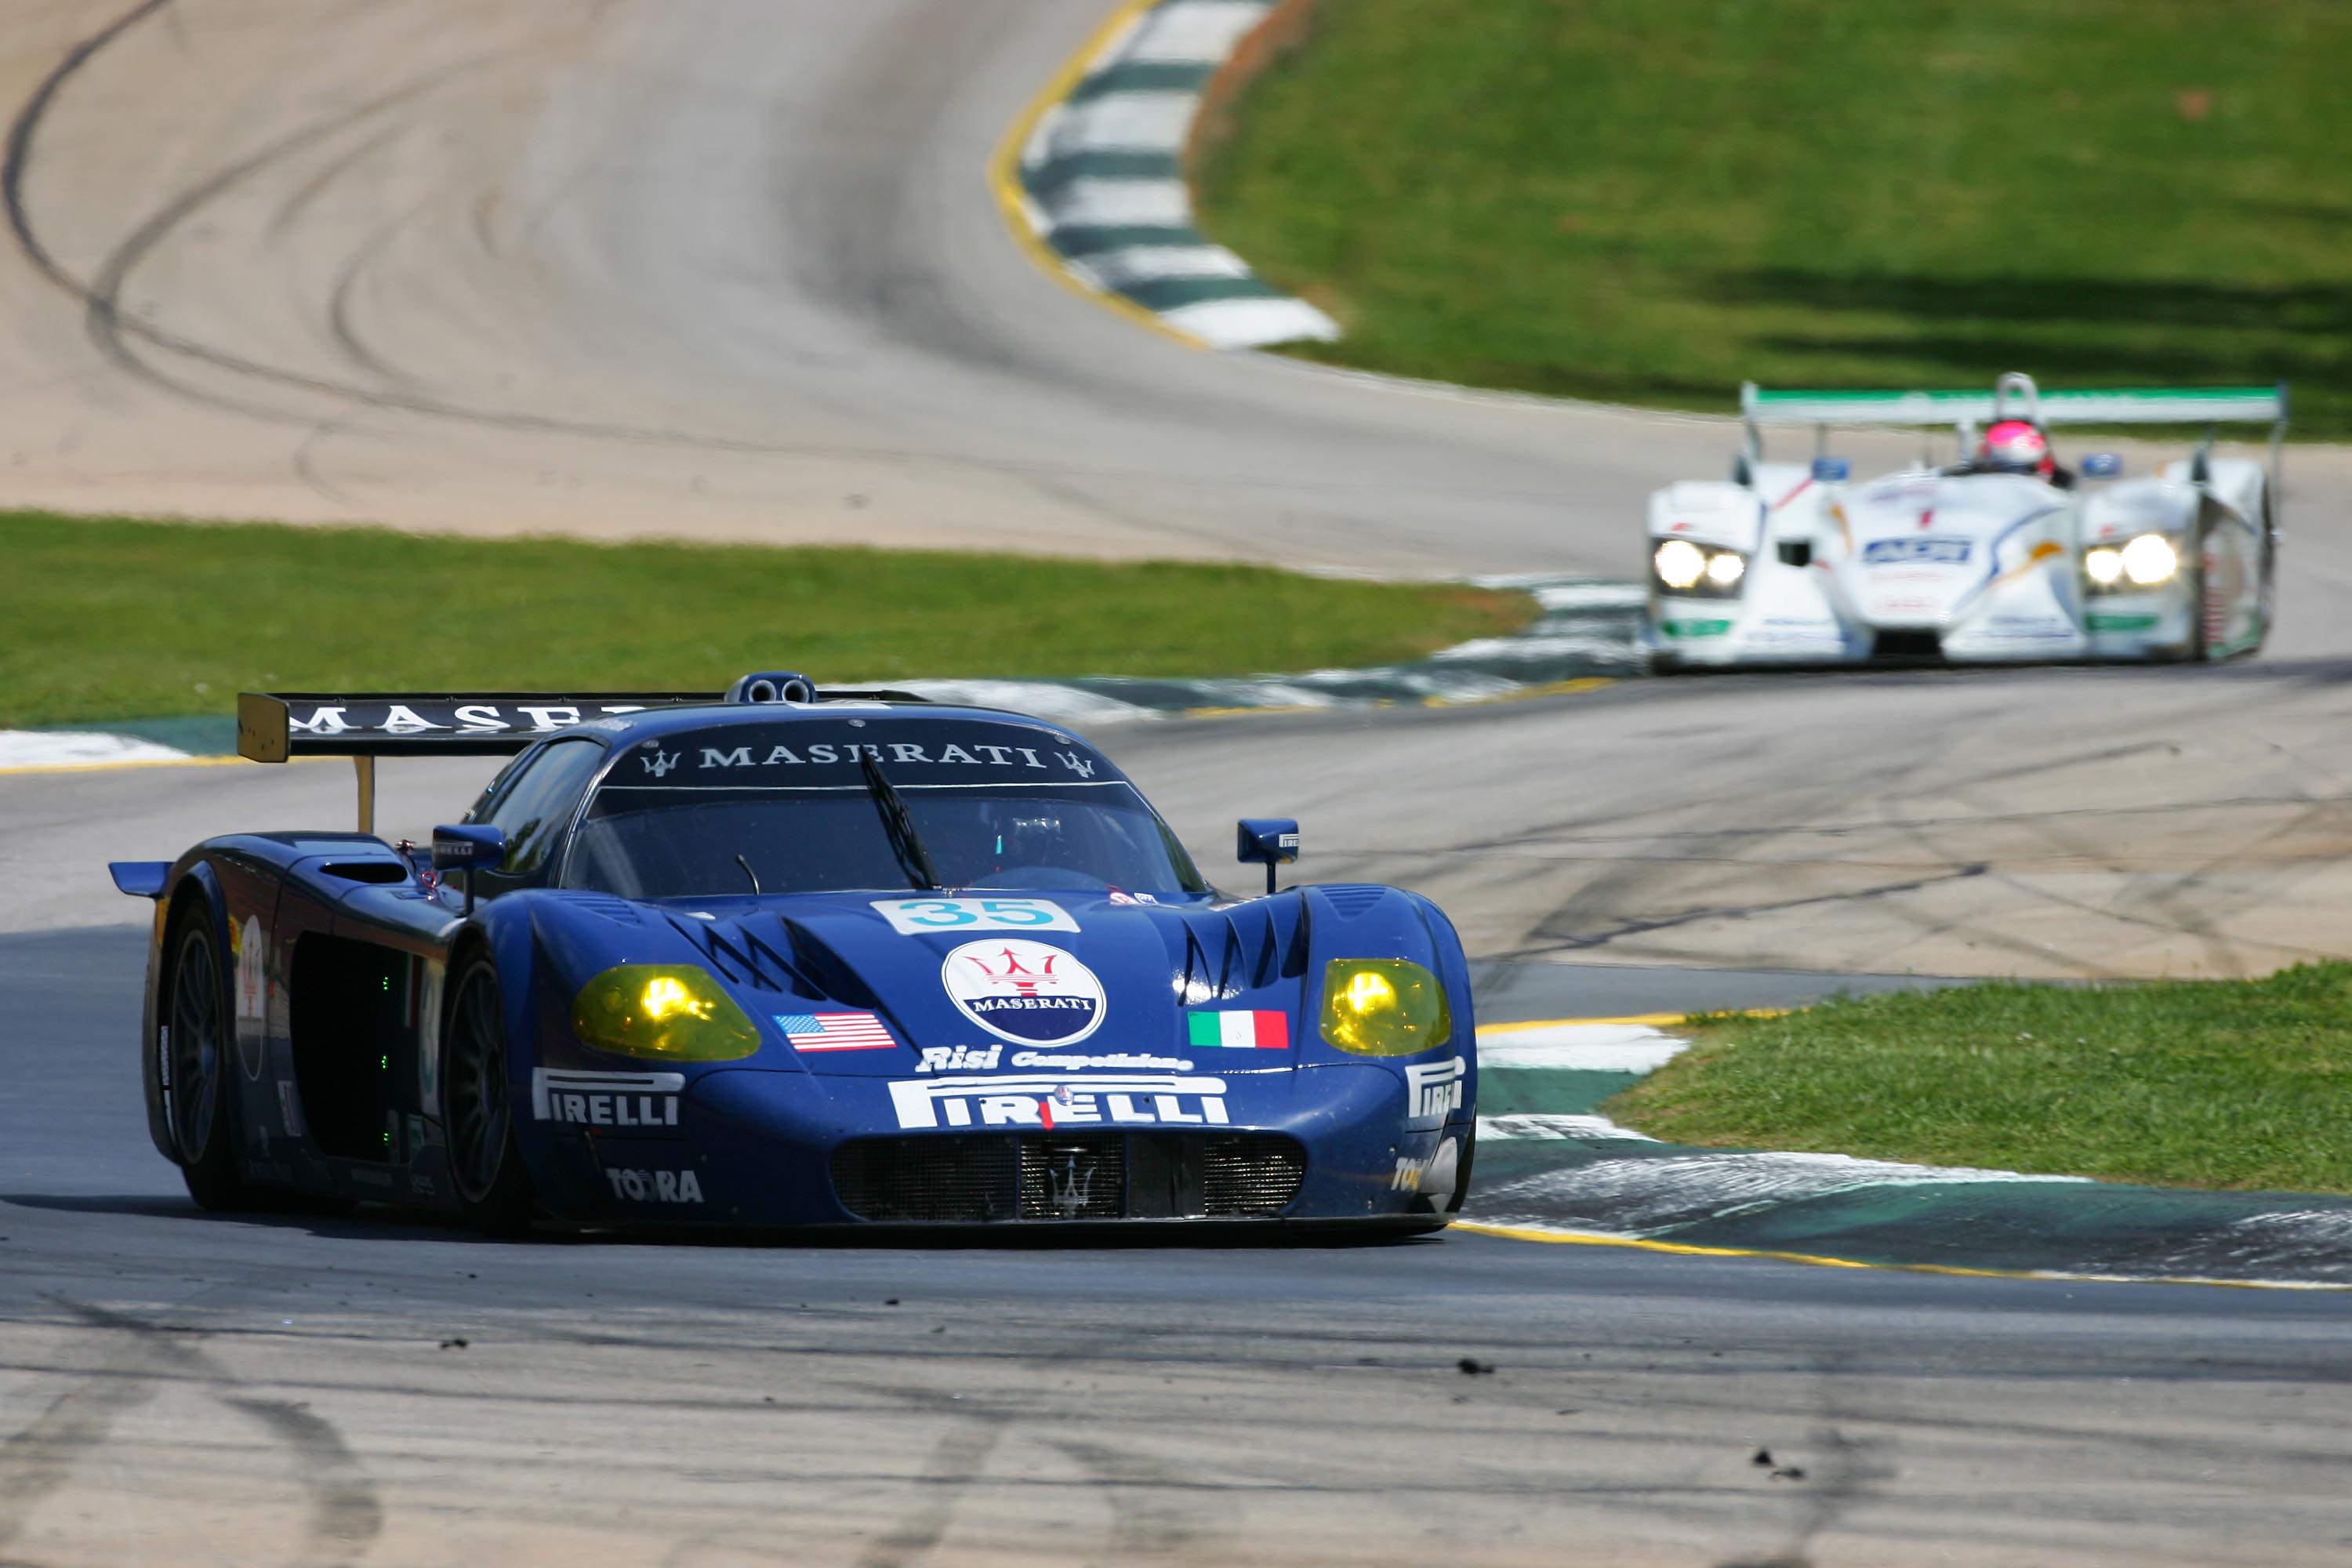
(1102, 182)
(1628, 1186)
(78, 748)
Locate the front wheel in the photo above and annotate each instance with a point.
(1462, 1175)
(196, 1044)
(494, 1191)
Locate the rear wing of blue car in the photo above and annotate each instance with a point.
(2014, 396)
(279, 726)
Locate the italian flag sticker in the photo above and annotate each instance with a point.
(1266, 1031)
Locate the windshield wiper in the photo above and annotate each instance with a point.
(896, 821)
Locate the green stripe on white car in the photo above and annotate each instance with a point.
(2154, 406)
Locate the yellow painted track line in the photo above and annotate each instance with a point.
(1659, 1019)
(1012, 202)
(1687, 1249)
(1815, 1260)
(103, 767)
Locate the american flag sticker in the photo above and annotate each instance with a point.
(834, 1031)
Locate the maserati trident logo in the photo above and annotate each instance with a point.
(1082, 766)
(1072, 1187)
(660, 762)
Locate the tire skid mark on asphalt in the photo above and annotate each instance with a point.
(1844, 1473)
(1147, 1521)
(1740, 911)
(347, 281)
(344, 1512)
(110, 328)
(954, 1463)
(40, 1458)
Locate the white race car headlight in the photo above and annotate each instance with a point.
(1696, 571)
(2149, 559)
(1679, 562)
(2146, 560)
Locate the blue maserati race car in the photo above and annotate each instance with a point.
(786, 958)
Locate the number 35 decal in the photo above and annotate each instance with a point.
(912, 917)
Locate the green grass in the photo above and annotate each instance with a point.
(1654, 200)
(110, 618)
(2235, 1084)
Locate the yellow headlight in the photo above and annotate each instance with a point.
(1725, 570)
(1680, 563)
(1383, 1007)
(2103, 565)
(674, 1012)
(2149, 559)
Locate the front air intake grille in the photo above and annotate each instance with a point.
(1251, 1175)
(966, 1178)
(927, 1181)
(1909, 646)
(1079, 1177)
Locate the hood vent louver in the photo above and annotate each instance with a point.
(739, 958)
(1349, 899)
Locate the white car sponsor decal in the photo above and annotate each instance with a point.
(1432, 1090)
(1024, 991)
(251, 945)
(1931, 549)
(912, 917)
(1435, 1175)
(605, 1098)
(1042, 1101)
(988, 1058)
(654, 1186)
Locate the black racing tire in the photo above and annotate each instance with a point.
(2266, 598)
(196, 1049)
(1462, 1176)
(486, 1167)
(2199, 613)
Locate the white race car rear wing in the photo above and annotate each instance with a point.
(2014, 396)
(2183, 406)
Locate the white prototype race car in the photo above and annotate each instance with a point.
(1979, 562)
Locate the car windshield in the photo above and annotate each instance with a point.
(655, 843)
(826, 805)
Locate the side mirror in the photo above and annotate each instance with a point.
(1267, 841)
(2101, 466)
(468, 848)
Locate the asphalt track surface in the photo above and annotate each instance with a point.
(731, 269)
(191, 1389)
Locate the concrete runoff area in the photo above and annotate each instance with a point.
(376, 1388)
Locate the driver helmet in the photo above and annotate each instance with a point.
(2016, 447)
(1024, 834)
